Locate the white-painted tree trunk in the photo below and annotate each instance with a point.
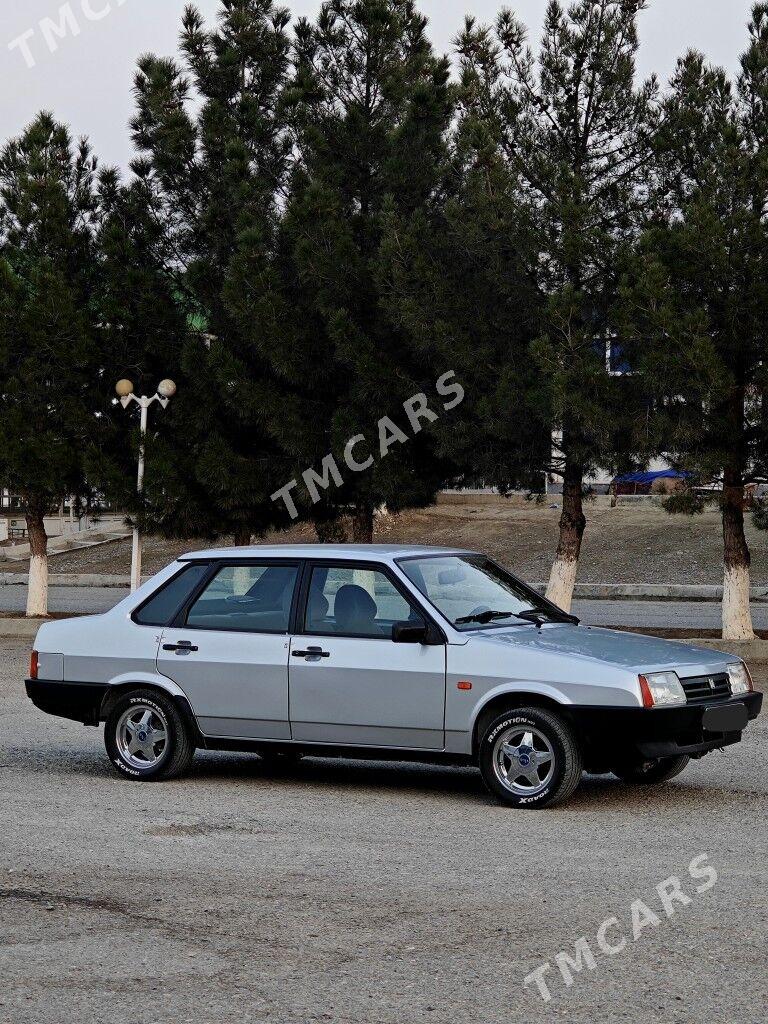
(37, 591)
(737, 614)
(562, 581)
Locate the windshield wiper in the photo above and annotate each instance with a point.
(483, 617)
(534, 617)
(540, 617)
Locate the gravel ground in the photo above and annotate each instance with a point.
(628, 544)
(367, 893)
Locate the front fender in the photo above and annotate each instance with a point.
(516, 689)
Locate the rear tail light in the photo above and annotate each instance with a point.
(34, 664)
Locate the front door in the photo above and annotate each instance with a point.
(349, 682)
(230, 655)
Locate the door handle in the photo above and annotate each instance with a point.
(182, 647)
(312, 652)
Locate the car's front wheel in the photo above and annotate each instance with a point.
(529, 758)
(646, 773)
(146, 737)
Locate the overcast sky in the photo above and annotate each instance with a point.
(86, 80)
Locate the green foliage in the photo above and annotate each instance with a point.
(684, 502)
(50, 357)
(213, 158)
(760, 514)
(369, 105)
(697, 300)
(572, 134)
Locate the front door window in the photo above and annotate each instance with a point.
(347, 601)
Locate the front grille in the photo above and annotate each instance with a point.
(706, 688)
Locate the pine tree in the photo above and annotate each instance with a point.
(459, 287)
(575, 134)
(212, 164)
(370, 107)
(50, 362)
(699, 299)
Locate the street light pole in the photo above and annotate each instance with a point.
(165, 392)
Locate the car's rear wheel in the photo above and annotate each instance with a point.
(146, 737)
(529, 758)
(647, 773)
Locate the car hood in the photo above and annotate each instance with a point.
(608, 646)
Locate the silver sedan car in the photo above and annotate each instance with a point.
(383, 651)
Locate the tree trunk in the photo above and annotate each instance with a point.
(362, 525)
(242, 538)
(562, 579)
(37, 591)
(737, 615)
(331, 531)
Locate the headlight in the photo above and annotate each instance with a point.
(741, 681)
(660, 689)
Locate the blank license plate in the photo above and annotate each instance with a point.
(732, 718)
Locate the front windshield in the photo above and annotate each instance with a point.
(472, 592)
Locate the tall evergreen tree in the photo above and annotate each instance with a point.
(50, 362)
(147, 336)
(212, 166)
(458, 286)
(371, 104)
(700, 301)
(575, 134)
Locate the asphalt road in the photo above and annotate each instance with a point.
(364, 892)
(653, 614)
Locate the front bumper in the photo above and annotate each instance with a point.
(665, 732)
(79, 702)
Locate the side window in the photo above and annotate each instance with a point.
(246, 598)
(354, 602)
(160, 609)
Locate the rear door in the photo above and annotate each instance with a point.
(230, 646)
(349, 682)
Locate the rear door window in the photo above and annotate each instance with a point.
(161, 608)
(248, 598)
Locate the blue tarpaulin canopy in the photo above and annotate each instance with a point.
(648, 478)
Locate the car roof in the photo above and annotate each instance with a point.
(343, 552)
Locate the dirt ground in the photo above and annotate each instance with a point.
(628, 544)
(363, 892)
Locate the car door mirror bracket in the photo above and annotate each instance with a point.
(410, 633)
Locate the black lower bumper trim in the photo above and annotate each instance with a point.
(665, 732)
(79, 702)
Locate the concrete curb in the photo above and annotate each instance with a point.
(23, 629)
(583, 592)
(653, 592)
(754, 652)
(21, 579)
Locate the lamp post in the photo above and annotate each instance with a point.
(165, 392)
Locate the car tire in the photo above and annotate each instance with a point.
(146, 737)
(648, 773)
(529, 758)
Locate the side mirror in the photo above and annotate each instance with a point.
(409, 633)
